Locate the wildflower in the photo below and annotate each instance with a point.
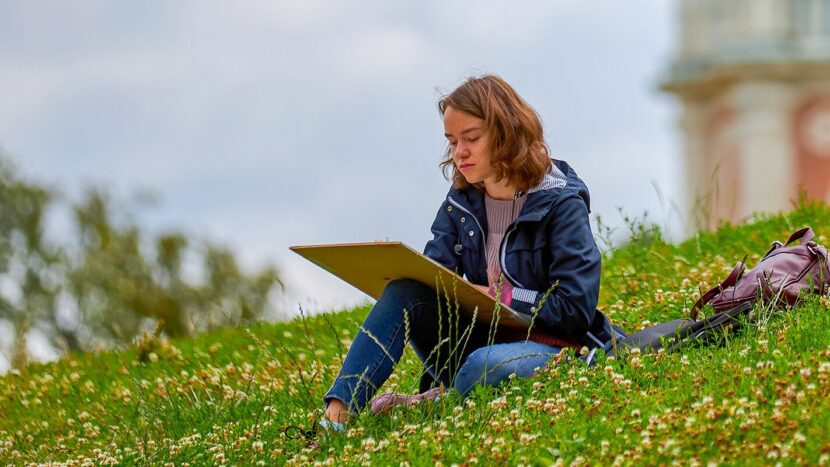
(684, 360)
(499, 403)
(369, 444)
(659, 296)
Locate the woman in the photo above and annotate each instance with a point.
(514, 221)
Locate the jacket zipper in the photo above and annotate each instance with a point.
(502, 247)
(503, 255)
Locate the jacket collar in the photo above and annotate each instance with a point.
(540, 198)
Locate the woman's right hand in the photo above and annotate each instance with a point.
(483, 288)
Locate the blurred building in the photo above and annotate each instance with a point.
(753, 77)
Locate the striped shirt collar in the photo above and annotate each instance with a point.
(554, 179)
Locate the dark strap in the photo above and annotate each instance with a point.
(806, 234)
(731, 280)
(717, 322)
(775, 245)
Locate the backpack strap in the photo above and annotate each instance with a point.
(775, 245)
(806, 234)
(731, 280)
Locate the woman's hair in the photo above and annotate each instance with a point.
(513, 128)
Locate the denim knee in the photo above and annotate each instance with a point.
(492, 365)
(407, 290)
(402, 285)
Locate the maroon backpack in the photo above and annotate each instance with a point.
(783, 273)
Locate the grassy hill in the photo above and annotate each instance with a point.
(244, 396)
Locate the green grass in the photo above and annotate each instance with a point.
(241, 396)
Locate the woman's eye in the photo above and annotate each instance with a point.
(453, 143)
(472, 140)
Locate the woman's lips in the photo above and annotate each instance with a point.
(465, 166)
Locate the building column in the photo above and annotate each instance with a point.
(693, 124)
(763, 111)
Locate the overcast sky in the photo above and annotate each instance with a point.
(268, 124)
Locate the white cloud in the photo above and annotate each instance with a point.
(375, 55)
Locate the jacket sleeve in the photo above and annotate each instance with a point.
(575, 268)
(445, 237)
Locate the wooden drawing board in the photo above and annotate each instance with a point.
(370, 266)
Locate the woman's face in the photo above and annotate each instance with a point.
(469, 145)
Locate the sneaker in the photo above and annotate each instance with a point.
(388, 401)
(328, 425)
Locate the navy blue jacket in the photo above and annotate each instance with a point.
(550, 241)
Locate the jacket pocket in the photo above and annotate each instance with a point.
(525, 258)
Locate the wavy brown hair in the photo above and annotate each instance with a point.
(513, 128)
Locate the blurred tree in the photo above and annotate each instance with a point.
(29, 267)
(118, 287)
(119, 280)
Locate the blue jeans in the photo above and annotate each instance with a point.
(455, 351)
